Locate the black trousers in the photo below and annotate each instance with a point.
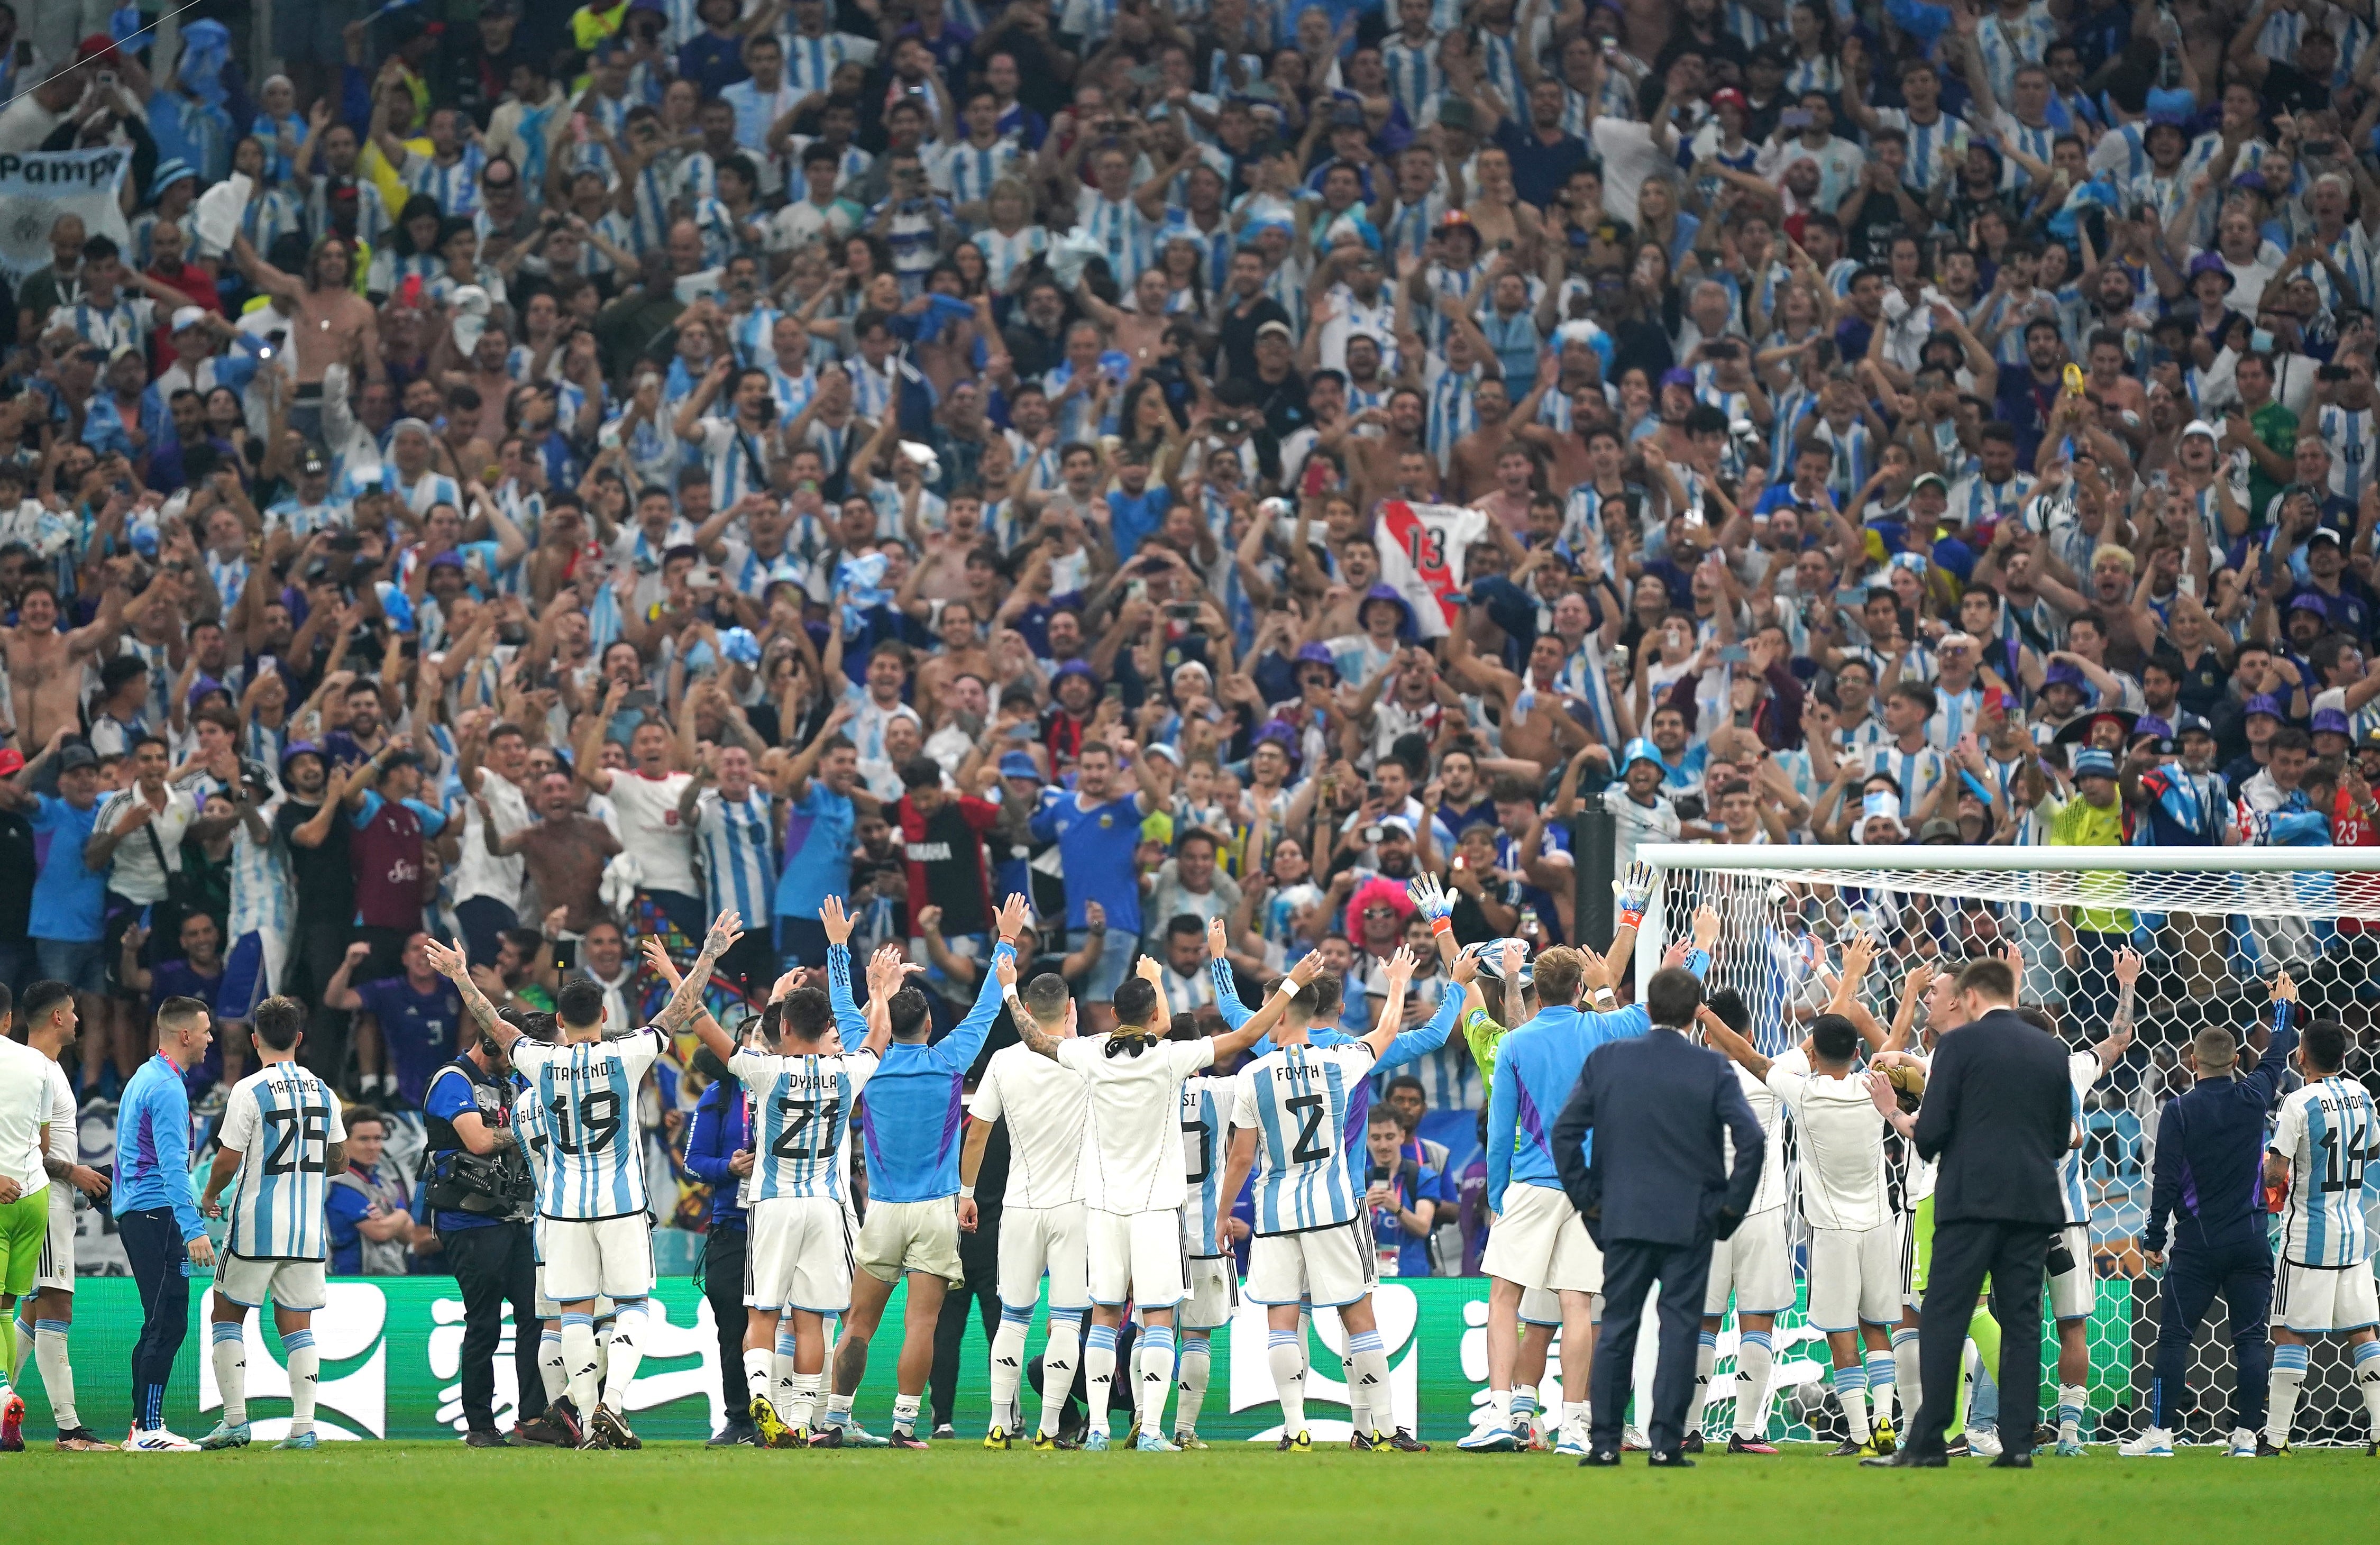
(1964, 1253)
(160, 1262)
(2244, 1274)
(723, 1251)
(317, 944)
(979, 1256)
(1630, 1269)
(495, 1266)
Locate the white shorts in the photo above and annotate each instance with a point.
(1214, 1292)
(57, 1270)
(1540, 1241)
(1541, 1306)
(290, 1285)
(2312, 1300)
(1855, 1277)
(800, 1248)
(604, 1308)
(608, 1257)
(1034, 1239)
(1753, 1265)
(1330, 1267)
(1135, 1256)
(911, 1236)
(2073, 1295)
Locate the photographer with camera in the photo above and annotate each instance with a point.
(480, 1193)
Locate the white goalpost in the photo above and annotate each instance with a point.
(2215, 925)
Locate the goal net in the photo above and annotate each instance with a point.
(2214, 925)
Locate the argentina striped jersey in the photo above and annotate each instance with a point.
(736, 842)
(281, 1120)
(1298, 1099)
(1206, 1106)
(801, 1113)
(594, 1166)
(2325, 1132)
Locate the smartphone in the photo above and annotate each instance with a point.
(1795, 118)
(565, 953)
(1114, 692)
(1733, 654)
(107, 80)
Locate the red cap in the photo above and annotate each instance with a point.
(11, 762)
(1727, 96)
(99, 45)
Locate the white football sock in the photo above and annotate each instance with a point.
(551, 1370)
(1098, 1374)
(305, 1363)
(1190, 1385)
(1754, 1360)
(780, 1372)
(2367, 1378)
(23, 1331)
(1367, 1381)
(762, 1376)
(1059, 1360)
(1705, 1357)
(838, 1410)
(57, 1374)
(1908, 1384)
(2073, 1401)
(1881, 1370)
(1286, 1358)
(1008, 1368)
(904, 1411)
(802, 1397)
(230, 1347)
(2281, 1393)
(628, 1326)
(1156, 1359)
(1851, 1388)
(578, 1361)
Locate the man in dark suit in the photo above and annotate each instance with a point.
(1658, 1192)
(1998, 1116)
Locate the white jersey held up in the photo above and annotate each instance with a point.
(1132, 1133)
(281, 1120)
(1840, 1139)
(594, 1158)
(1045, 1104)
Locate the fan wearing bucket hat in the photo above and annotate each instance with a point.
(1638, 803)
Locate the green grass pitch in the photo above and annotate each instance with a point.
(400, 1492)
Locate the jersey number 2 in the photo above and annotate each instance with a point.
(300, 1137)
(1313, 1144)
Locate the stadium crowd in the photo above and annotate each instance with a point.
(529, 483)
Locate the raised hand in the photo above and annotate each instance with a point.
(1219, 938)
(1015, 913)
(1514, 949)
(1634, 893)
(1308, 969)
(450, 964)
(1147, 969)
(2127, 966)
(1005, 971)
(1706, 928)
(1400, 970)
(836, 920)
(2285, 990)
(787, 984)
(725, 929)
(657, 957)
(888, 970)
(1430, 896)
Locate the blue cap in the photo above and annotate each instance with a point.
(1317, 654)
(296, 748)
(2062, 672)
(1017, 765)
(1075, 667)
(2265, 703)
(1641, 750)
(2091, 762)
(171, 170)
(2309, 601)
(2330, 721)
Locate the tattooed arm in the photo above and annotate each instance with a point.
(686, 1001)
(455, 967)
(1029, 1029)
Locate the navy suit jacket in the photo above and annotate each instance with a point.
(1661, 1109)
(1998, 1117)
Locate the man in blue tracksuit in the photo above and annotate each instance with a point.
(2210, 1149)
(156, 1214)
(718, 1153)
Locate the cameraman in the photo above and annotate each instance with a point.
(479, 1194)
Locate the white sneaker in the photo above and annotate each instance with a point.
(1984, 1442)
(1486, 1435)
(2156, 1443)
(157, 1440)
(2243, 1443)
(1572, 1438)
(1633, 1438)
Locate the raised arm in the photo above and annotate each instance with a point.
(456, 968)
